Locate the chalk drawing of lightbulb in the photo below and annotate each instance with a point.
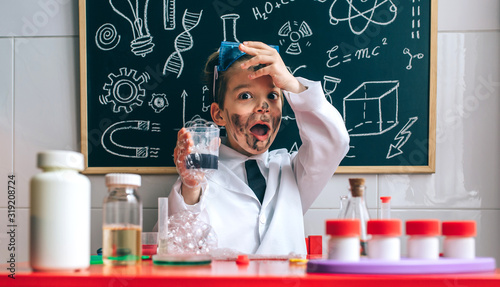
(132, 11)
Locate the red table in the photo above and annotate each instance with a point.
(258, 273)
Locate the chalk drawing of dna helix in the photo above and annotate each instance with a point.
(182, 43)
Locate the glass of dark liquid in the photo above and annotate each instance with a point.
(204, 156)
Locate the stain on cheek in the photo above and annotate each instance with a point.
(236, 121)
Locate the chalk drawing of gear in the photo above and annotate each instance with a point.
(112, 147)
(124, 90)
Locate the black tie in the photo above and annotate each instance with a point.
(255, 179)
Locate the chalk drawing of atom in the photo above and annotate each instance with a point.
(361, 13)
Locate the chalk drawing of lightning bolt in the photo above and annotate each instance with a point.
(402, 137)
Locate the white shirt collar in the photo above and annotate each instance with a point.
(232, 158)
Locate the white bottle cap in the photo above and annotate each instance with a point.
(123, 179)
(61, 159)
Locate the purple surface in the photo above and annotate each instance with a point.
(403, 266)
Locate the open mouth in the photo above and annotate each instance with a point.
(260, 131)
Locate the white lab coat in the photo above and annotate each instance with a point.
(294, 181)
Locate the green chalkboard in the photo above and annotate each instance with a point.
(141, 66)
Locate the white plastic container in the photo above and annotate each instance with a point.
(423, 242)
(385, 243)
(459, 241)
(60, 213)
(344, 243)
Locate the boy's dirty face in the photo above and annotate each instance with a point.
(252, 112)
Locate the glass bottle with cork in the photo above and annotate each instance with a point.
(122, 220)
(356, 209)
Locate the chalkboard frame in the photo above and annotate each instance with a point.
(431, 143)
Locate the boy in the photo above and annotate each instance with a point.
(249, 81)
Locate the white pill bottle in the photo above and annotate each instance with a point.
(60, 213)
(385, 243)
(459, 241)
(423, 242)
(343, 242)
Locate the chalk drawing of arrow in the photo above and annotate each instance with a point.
(183, 96)
(402, 137)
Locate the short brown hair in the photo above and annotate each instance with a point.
(218, 94)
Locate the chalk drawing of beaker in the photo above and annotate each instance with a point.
(229, 27)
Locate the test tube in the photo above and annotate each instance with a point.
(162, 225)
(385, 207)
(343, 204)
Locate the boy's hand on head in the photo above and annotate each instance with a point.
(274, 66)
(183, 148)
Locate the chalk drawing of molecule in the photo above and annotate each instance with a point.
(361, 13)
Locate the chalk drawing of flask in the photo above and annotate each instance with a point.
(229, 27)
(142, 43)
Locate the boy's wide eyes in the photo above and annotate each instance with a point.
(246, 96)
(273, 96)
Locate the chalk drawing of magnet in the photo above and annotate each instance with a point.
(122, 150)
(372, 108)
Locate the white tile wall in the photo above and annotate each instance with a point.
(467, 15)
(37, 18)
(465, 185)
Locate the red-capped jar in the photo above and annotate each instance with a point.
(343, 243)
(423, 242)
(459, 241)
(385, 243)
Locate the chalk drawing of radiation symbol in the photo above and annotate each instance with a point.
(288, 30)
(124, 90)
(122, 150)
(360, 13)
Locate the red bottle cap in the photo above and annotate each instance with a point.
(242, 259)
(428, 227)
(459, 228)
(389, 227)
(343, 227)
(385, 199)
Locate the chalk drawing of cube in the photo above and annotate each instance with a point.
(372, 108)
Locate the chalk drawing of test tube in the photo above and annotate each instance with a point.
(182, 43)
(115, 148)
(229, 27)
(131, 11)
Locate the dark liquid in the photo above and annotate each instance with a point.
(207, 161)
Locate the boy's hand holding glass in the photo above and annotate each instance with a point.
(197, 151)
